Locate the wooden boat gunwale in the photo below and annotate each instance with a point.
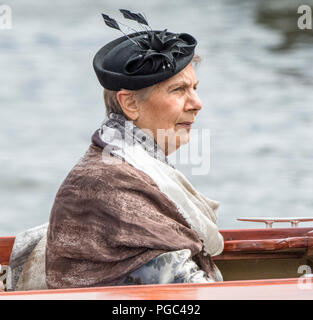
(277, 240)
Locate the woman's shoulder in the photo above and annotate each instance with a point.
(99, 167)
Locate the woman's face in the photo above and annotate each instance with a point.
(170, 110)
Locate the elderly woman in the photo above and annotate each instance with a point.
(124, 214)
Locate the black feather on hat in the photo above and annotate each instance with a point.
(143, 58)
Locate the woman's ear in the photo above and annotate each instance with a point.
(128, 103)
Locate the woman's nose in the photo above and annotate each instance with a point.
(194, 103)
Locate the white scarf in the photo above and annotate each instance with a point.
(198, 211)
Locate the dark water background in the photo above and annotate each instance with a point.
(256, 82)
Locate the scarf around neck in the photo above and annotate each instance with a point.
(123, 139)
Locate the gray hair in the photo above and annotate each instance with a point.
(110, 97)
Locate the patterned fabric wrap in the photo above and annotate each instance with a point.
(198, 211)
(109, 219)
(171, 267)
(118, 128)
(111, 225)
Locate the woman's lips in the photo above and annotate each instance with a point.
(186, 125)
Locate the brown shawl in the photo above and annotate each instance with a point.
(109, 219)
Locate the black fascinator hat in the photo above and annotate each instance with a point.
(142, 58)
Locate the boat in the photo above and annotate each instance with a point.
(264, 263)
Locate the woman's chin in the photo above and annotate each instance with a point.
(184, 140)
(178, 141)
(182, 136)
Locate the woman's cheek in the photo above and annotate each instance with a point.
(175, 105)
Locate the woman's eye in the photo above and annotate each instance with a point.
(178, 89)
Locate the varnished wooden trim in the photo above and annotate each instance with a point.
(274, 233)
(6, 244)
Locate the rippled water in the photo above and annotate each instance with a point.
(256, 82)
